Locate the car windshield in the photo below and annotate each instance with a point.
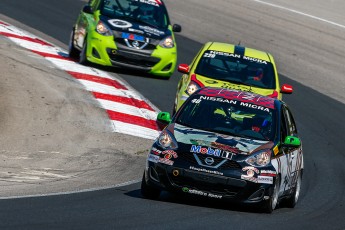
(228, 117)
(149, 12)
(237, 69)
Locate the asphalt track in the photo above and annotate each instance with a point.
(320, 120)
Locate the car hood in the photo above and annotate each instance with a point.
(224, 84)
(196, 139)
(129, 26)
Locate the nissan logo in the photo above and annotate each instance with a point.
(209, 160)
(135, 44)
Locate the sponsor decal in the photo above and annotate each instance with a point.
(213, 54)
(253, 106)
(196, 101)
(201, 193)
(211, 82)
(206, 170)
(211, 151)
(150, 2)
(265, 179)
(250, 171)
(224, 147)
(166, 161)
(255, 60)
(135, 31)
(241, 103)
(153, 158)
(251, 179)
(119, 23)
(276, 150)
(250, 174)
(151, 30)
(156, 151)
(168, 154)
(268, 173)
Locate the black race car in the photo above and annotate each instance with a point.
(229, 145)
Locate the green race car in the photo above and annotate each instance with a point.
(134, 34)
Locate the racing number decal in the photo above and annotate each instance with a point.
(209, 55)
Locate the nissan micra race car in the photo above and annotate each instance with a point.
(135, 34)
(228, 145)
(232, 67)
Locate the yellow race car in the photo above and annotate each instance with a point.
(232, 67)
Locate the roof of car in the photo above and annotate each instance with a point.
(237, 95)
(231, 48)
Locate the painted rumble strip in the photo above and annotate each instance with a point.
(129, 112)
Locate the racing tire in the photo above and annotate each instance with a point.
(148, 191)
(292, 200)
(72, 51)
(272, 202)
(82, 56)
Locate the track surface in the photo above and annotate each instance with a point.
(320, 120)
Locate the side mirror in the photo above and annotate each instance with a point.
(291, 141)
(287, 89)
(183, 68)
(177, 28)
(87, 9)
(163, 119)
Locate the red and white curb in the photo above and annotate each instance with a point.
(129, 112)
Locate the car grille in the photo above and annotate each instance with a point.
(132, 58)
(121, 42)
(206, 182)
(228, 164)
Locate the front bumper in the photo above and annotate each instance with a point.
(183, 180)
(103, 50)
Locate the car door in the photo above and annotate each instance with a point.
(295, 154)
(290, 157)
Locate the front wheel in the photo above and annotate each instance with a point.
(292, 200)
(271, 203)
(82, 57)
(148, 191)
(72, 51)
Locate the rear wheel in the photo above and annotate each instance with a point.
(271, 203)
(148, 191)
(72, 51)
(292, 201)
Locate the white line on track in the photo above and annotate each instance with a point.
(73, 192)
(300, 13)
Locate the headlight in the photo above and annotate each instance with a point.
(166, 140)
(192, 87)
(103, 29)
(260, 159)
(167, 42)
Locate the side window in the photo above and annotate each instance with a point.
(291, 123)
(283, 125)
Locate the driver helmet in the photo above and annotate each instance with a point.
(259, 74)
(260, 124)
(146, 10)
